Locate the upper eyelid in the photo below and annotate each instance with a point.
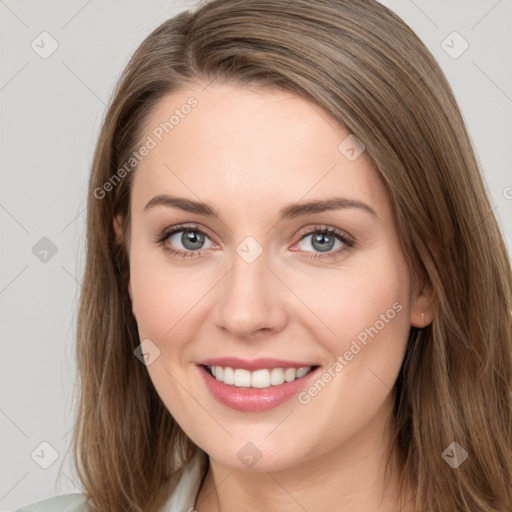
(190, 227)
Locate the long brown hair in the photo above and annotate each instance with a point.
(364, 66)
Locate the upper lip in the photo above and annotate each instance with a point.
(253, 364)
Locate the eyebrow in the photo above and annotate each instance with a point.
(288, 212)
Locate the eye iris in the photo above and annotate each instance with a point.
(321, 237)
(192, 237)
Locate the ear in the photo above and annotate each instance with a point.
(422, 311)
(118, 228)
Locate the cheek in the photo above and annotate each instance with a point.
(371, 309)
(362, 311)
(367, 308)
(164, 295)
(170, 302)
(152, 302)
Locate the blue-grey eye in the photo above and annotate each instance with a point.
(190, 239)
(322, 242)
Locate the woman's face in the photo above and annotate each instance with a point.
(259, 280)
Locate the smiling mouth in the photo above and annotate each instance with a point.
(258, 379)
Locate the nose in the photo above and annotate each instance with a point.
(251, 300)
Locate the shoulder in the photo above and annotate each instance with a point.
(184, 487)
(64, 503)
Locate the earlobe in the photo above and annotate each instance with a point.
(422, 311)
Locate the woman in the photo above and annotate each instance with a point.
(296, 295)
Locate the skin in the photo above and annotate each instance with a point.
(250, 152)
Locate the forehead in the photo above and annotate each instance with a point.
(248, 148)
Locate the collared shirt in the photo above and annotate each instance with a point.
(181, 500)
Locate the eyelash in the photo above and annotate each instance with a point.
(339, 235)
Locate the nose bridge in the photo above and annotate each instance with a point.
(249, 300)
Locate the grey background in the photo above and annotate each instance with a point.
(51, 110)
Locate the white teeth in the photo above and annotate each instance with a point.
(290, 374)
(228, 377)
(259, 378)
(276, 376)
(302, 371)
(242, 378)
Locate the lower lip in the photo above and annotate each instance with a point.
(254, 399)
